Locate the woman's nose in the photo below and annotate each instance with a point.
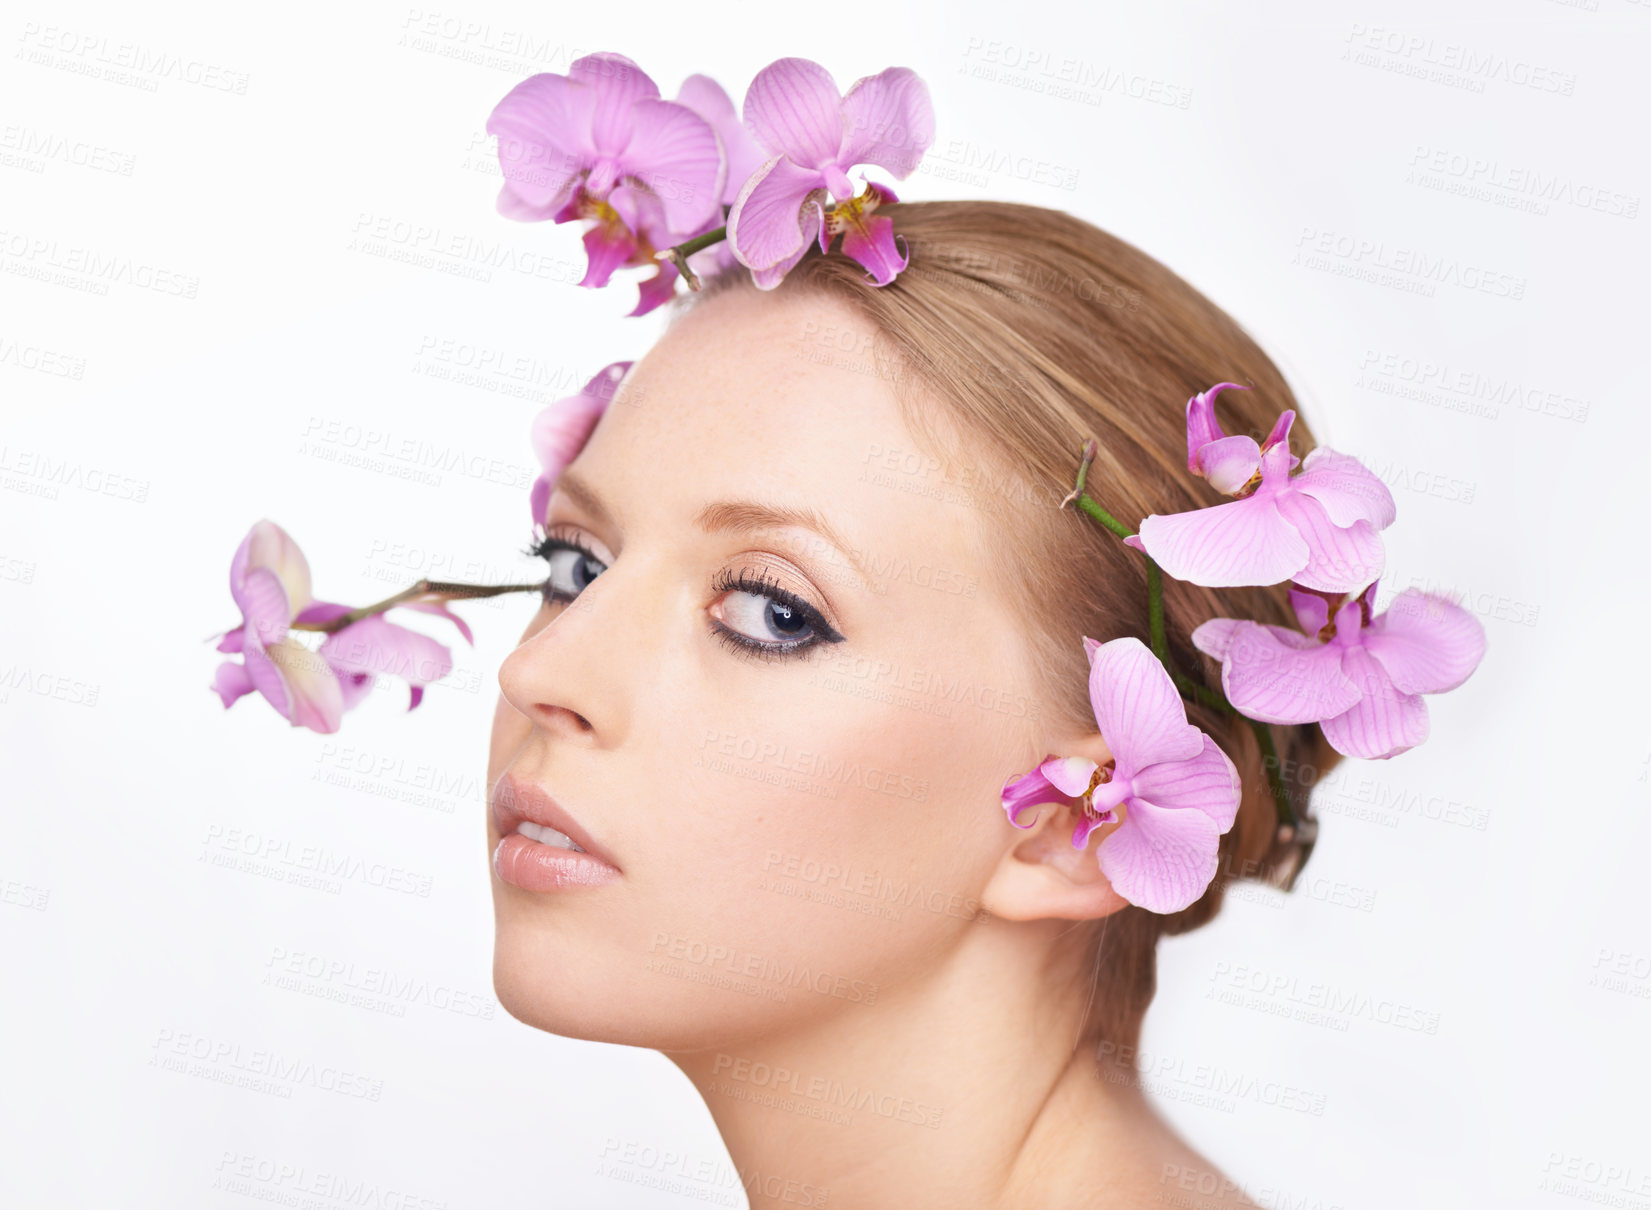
(564, 677)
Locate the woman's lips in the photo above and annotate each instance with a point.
(526, 863)
(531, 864)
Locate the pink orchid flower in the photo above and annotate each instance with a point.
(1178, 789)
(710, 101)
(1358, 676)
(270, 581)
(1229, 463)
(600, 144)
(561, 429)
(813, 135)
(1318, 527)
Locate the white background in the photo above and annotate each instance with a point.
(1450, 268)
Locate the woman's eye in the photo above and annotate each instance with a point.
(758, 617)
(764, 619)
(572, 568)
(753, 614)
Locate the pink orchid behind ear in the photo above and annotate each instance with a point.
(1178, 789)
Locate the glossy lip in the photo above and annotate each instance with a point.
(514, 801)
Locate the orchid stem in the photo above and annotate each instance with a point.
(1282, 806)
(678, 254)
(701, 242)
(439, 589)
(1155, 576)
(1155, 611)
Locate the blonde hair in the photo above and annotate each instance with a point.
(1037, 331)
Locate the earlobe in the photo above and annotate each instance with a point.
(1041, 876)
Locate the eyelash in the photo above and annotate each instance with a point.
(757, 584)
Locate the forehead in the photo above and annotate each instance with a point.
(753, 396)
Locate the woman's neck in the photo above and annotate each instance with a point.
(959, 1093)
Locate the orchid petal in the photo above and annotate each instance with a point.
(1208, 782)
(440, 609)
(1068, 774)
(374, 645)
(321, 612)
(1140, 713)
(354, 687)
(608, 246)
(269, 546)
(1161, 859)
(1243, 542)
(1027, 791)
(1426, 643)
(1385, 722)
(643, 215)
(538, 498)
(707, 98)
(1267, 676)
(887, 120)
(1312, 611)
(1202, 426)
(793, 108)
(313, 696)
(1086, 825)
(561, 429)
(543, 126)
(263, 602)
(775, 216)
(1229, 463)
(768, 279)
(1348, 490)
(1339, 560)
(233, 640)
(1280, 434)
(273, 547)
(514, 206)
(675, 155)
(617, 88)
(267, 680)
(870, 240)
(231, 682)
(1215, 637)
(656, 289)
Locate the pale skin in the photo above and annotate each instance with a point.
(763, 811)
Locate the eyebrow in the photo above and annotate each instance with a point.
(728, 516)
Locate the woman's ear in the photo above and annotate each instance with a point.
(1042, 876)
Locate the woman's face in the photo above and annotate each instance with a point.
(796, 833)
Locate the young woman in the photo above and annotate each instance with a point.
(812, 600)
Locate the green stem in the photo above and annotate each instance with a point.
(701, 242)
(1155, 611)
(1282, 807)
(1105, 518)
(438, 590)
(678, 254)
